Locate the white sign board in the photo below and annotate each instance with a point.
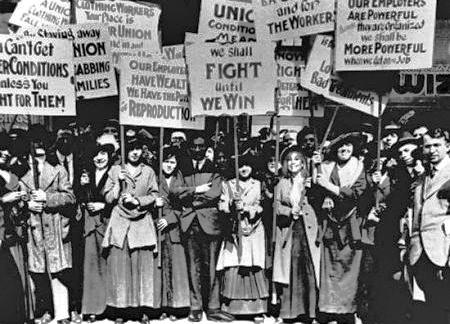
(36, 76)
(227, 21)
(154, 93)
(385, 35)
(319, 78)
(285, 19)
(231, 79)
(133, 27)
(39, 13)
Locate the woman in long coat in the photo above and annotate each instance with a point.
(296, 257)
(132, 273)
(96, 213)
(16, 302)
(244, 288)
(343, 181)
(175, 286)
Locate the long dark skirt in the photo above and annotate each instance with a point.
(94, 278)
(175, 283)
(12, 298)
(245, 291)
(299, 298)
(133, 278)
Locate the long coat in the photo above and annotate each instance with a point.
(55, 221)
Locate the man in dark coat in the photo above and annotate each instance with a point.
(202, 228)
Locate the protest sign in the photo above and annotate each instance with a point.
(318, 77)
(423, 83)
(36, 76)
(227, 21)
(384, 35)
(39, 13)
(231, 79)
(284, 19)
(153, 92)
(94, 73)
(133, 27)
(293, 99)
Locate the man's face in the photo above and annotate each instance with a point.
(405, 153)
(198, 149)
(435, 149)
(390, 139)
(309, 141)
(420, 132)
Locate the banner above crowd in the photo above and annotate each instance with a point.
(133, 27)
(41, 13)
(231, 79)
(285, 19)
(94, 73)
(293, 99)
(227, 21)
(319, 78)
(154, 92)
(384, 35)
(36, 76)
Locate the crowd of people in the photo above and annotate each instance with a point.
(332, 235)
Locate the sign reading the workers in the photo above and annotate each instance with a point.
(284, 19)
(319, 78)
(231, 79)
(293, 99)
(39, 13)
(133, 27)
(423, 83)
(94, 73)
(154, 93)
(384, 35)
(36, 76)
(227, 21)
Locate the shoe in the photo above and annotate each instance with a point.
(195, 316)
(76, 318)
(173, 318)
(145, 319)
(119, 321)
(45, 319)
(64, 321)
(92, 318)
(219, 316)
(163, 317)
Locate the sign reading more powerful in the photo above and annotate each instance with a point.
(154, 92)
(385, 35)
(36, 76)
(319, 78)
(227, 21)
(231, 79)
(285, 19)
(133, 27)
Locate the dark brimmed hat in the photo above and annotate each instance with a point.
(405, 138)
(390, 128)
(354, 138)
(288, 150)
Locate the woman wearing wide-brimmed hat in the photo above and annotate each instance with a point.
(130, 237)
(296, 257)
(343, 181)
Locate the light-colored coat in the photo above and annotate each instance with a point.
(55, 221)
(431, 218)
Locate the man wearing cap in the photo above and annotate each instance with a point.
(202, 229)
(429, 247)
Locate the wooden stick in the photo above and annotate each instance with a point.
(73, 12)
(277, 162)
(328, 130)
(122, 145)
(380, 120)
(160, 211)
(236, 173)
(216, 133)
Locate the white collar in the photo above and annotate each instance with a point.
(62, 157)
(441, 165)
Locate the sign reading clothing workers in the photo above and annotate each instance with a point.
(231, 79)
(36, 76)
(293, 99)
(39, 13)
(94, 73)
(227, 21)
(385, 35)
(154, 92)
(319, 78)
(133, 27)
(284, 19)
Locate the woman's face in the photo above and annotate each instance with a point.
(245, 171)
(4, 156)
(221, 161)
(101, 160)
(134, 155)
(294, 163)
(169, 165)
(344, 152)
(272, 166)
